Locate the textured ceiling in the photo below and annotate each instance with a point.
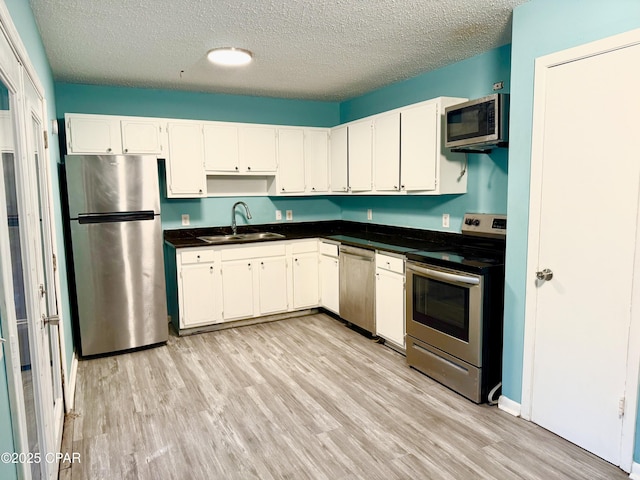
(306, 49)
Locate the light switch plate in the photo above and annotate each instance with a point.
(185, 219)
(289, 214)
(278, 214)
(445, 220)
(369, 214)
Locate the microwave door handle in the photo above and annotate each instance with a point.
(449, 277)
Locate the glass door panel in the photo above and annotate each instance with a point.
(16, 245)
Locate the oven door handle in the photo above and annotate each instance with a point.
(449, 277)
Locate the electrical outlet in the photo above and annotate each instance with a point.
(445, 220)
(185, 219)
(278, 214)
(369, 214)
(498, 86)
(289, 214)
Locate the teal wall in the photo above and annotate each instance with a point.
(487, 174)
(73, 98)
(541, 27)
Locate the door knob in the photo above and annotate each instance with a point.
(544, 275)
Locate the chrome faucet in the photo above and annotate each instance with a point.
(234, 227)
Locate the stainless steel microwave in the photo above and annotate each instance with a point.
(478, 124)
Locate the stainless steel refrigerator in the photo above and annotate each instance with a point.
(116, 237)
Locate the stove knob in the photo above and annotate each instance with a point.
(476, 222)
(468, 221)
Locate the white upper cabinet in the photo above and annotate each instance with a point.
(257, 146)
(291, 160)
(93, 134)
(426, 166)
(386, 152)
(419, 145)
(360, 149)
(316, 160)
(338, 159)
(141, 136)
(221, 151)
(185, 165)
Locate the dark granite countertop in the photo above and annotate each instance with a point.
(367, 235)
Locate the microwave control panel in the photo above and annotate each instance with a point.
(485, 225)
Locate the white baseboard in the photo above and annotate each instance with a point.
(635, 471)
(507, 405)
(70, 385)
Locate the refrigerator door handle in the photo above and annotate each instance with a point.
(84, 218)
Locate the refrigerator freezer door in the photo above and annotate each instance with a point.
(120, 285)
(112, 183)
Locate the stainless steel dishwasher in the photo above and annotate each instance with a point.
(357, 287)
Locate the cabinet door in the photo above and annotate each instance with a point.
(272, 273)
(316, 160)
(258, 149)
(237, 289)
(185, 163)
(141, 136)
(338, 159)
(199, 304)
(330, 283)
(360, 149)
(93, 134)
(386, 152)
(221, 148)
(390, 318)
(419, 147)
(290, 160)
(305, 280)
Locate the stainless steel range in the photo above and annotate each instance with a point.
(455, 307)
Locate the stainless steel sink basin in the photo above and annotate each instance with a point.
(241, 237)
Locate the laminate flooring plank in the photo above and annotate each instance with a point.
(302, 398)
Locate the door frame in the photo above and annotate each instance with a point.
(542, 66)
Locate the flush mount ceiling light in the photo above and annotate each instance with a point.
(229, 56)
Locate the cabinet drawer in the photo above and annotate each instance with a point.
(196, 256)
(330, 249)
(304, 246)
(388, 262)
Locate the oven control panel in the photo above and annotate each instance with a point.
(485, 225)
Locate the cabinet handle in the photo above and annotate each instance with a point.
(236, 169)
(283, 189)
(211, 269)
(126, 150)
(402, 187)
(313, 189)
(108, 150)
(198, 257)
(248, 168)
(200, 191)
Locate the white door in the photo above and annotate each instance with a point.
(141, 137)
(257, 148)
(419, 147)
(386, 152)
(272, 281)
(330, 283)
(221, 148)
(390, 306)
(338, 159)
(185, 165)
(237, 289)
(360, 154)
(28, 286)
(199, 304)
(305, 280)
(316, 160)
(585, 140)
(290, 160)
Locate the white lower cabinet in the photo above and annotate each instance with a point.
(305, 274)
(237, 289)
(390, 299)
(329, 276)
(199, 287)
(272, 285)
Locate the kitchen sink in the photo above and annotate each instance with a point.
(241, 237)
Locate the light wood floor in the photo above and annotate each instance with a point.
(303, 398)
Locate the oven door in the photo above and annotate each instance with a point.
(444, 309)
